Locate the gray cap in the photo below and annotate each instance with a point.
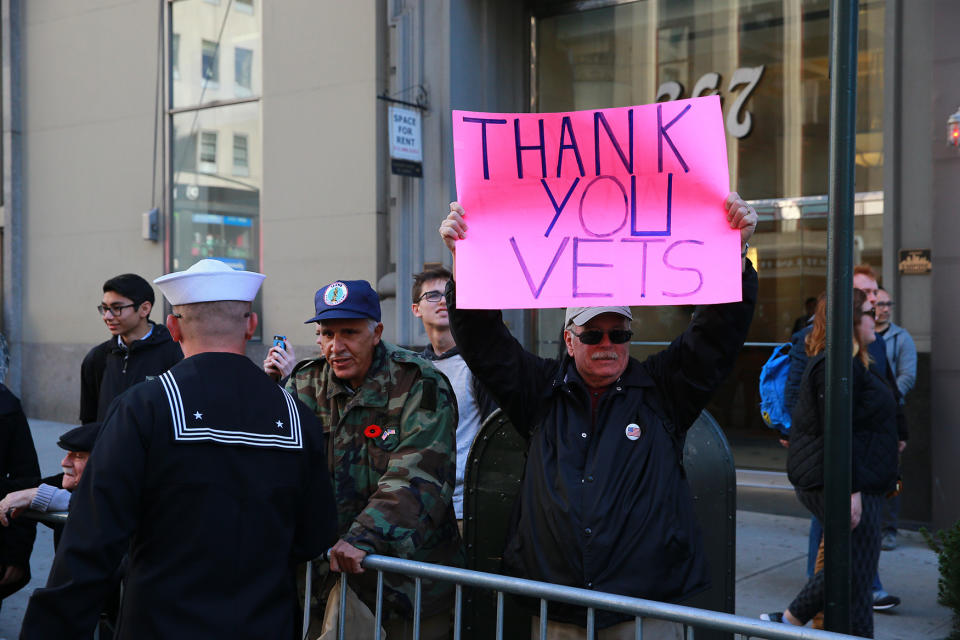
(582, 315)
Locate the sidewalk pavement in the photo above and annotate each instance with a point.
(772, 564)
(771, 561)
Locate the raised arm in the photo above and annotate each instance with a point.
(513, 376)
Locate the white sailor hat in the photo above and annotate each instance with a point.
(209, 281)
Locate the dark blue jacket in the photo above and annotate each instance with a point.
(597, 509)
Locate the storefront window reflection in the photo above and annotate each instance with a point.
(769, 62)
(215, 120)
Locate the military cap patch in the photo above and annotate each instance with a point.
(335, 294)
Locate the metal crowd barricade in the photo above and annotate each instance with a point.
(691, 618)
(49, 517)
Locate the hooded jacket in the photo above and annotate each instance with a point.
(109, 369)
(902, 356)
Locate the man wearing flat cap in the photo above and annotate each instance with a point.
(78, 443)
(390, 418)
(604, 503)
(207, 478)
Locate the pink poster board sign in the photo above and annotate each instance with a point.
(611, 206)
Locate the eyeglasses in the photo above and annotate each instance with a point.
(432, 296)
(888, 303)
(114, 309)
(594, 336)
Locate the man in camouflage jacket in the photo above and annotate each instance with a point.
(390, 419)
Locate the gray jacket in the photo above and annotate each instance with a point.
(902, 356)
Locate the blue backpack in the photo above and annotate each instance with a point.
(773, 383)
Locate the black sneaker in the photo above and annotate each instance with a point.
(882, 601)
(775, 616)
(888, 542)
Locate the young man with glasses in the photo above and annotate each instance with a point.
(902, 356)
(900, 348)
(473, 402)
(137, 349)
(604, 503)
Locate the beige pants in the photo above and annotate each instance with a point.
(360, 621)
(653, 629)
(437, 627)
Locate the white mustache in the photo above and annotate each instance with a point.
(605, 355)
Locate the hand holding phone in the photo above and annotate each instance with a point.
(280, 359)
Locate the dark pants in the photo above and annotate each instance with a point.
(864, 554)
(891, 515)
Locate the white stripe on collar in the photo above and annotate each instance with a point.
(182, 431)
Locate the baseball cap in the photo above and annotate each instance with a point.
(346, 299)
(582, 315)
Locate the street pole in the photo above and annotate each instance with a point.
(839, 358)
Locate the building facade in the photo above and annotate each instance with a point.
(258, 130)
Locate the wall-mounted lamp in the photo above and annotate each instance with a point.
(953, 129)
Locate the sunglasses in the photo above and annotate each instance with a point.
(594, 336)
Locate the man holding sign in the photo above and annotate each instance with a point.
(604, 503)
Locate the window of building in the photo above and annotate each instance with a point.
(213, 209)
(241, 160)
(244, 6)
(243, 70)
(208, 151)
(210, 62)
(175, 55)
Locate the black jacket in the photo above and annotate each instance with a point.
(108, 370)
(875, 423)
(213, 479)
(598, 510)
(798, 364)
(18, 470)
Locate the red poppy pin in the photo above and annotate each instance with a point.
(373, 431)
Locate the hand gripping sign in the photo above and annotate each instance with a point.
(611, 206)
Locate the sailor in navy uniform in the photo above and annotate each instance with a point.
(212, 478)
